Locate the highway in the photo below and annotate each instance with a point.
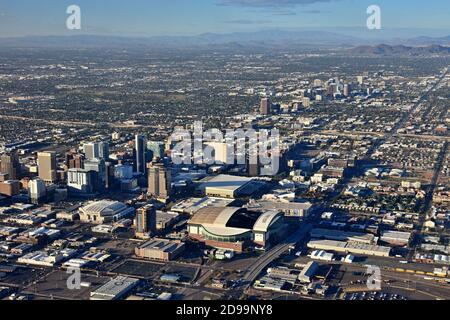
(275, 253)
(434, 183)
(404, 118)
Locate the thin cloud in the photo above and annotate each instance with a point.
(269, 3)
(247, 22)
(284, 13)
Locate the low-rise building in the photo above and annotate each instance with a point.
(115, 289)
(350, 247)
(100, 212)
(160, 249)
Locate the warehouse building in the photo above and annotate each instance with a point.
(115, 289)
(308, 272)
(235, 229)
(227, 186)
(350, 247)
(160, 249)
(329, 234)
(396, 238)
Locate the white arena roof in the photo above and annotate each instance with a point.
(104, 207)
(225, 182)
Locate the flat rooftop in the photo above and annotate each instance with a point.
(161, 245)
(225, 182)
(192, 205)
(114, 288)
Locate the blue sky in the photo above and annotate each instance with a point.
(179, 17)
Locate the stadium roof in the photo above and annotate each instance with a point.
(104, 207)
(266, 220)
(231, 221)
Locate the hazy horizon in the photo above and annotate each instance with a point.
(139, 18)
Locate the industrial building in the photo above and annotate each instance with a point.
(115, 289)
(308, 272)
(322, 255)
(226, 186)
(350, 247)
(338, 235)
(235, 228)
(160, 249)
(396, 237)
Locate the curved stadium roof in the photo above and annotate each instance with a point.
(216, 220)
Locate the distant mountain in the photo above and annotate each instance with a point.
(259, 39)
(443, 41)
(384, 49)
(272, 37)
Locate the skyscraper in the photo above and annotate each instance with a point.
(96, 150)
(156, 149)
(99, 167)
(145, 222)
(140, 154)
(37, 190)
(306, 102)
(74, 160)
(103, 150)
(91, 151)
(10, 165)
(81, 181)
(47, 166)
(265, 106)
(159, 181)
(346, 90)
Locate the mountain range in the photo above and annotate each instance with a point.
(384, 49)
(268, 38)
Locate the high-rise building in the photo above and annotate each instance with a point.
(10, 164)
(265, 106)
(156, 149)
(103, 150)
(159, 181)
(74, 160)
(10, 188)
(306, 102)
(91, 150)
(115, 136)
(145, 222)
(99, 167)
(122, 171)
(346, 90)
(47, 166)
(96, 150)
(140, 154)
(37, 190)
(360, 80)
(220, 153)
(317, 83)
(80, 181)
